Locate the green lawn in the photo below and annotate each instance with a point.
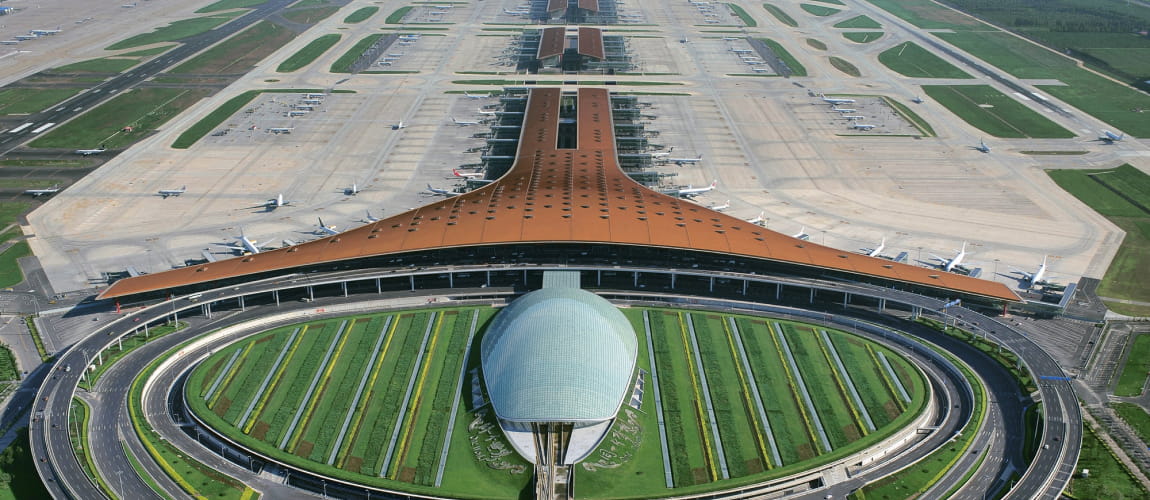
(102, 65)
(1108, 477)
(361, 15)
(993, 112)
(1136, 417)
(1137, 368)
(816, 44)
(863, 36)
(748, 21)
(18, 477)
(781, 15)
(229, 4)
(1120, 195)
(309, 53)
(8, 370)
(239, 53)
(797, 68)
(32, 100)
(845, 66)
(927, 15)
(860, 22)
(818, 10)
(910, 59)
(343, 64)
(177, 30)
(144, 109)
(10, 273)
(397, 16)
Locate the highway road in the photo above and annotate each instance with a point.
(1045, 478)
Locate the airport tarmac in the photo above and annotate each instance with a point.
(773, 147)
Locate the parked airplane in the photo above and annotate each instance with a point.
(949, 265)
(516, 12)
(369, 219)
(476, 96)
(351, 191)
(295, 113)
(916, 100)
(758, 220)
(317, 95)
(982, 147)
(1110, 137)
(89, 152)
(36, 193)
(398, 126)
(863, 126)
(876, 251)
(246, 245)
(1037, 277)
(21, 38)
(325, 229)
(802, 234)
(854, 117)
(173, 192)
(836, 101)
(466, 175)
(281, 130)
(274, 203)
(45, 32)
(312, 101)
(689, 192)
(435, 190)
(9, 42)
(463, 123)
(487, 113)
(844, 110)
(680, 161)
(720, 208)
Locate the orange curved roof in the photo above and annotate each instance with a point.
(561, 195)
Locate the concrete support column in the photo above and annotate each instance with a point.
(310, 293)
(881, 305)
(846, 299)
(412, 280)
(598, 278)
(378, 286)
(915, 312)
(778, 292)
(276, 295)
(241, 301)
(812, 295)
(489, 279)
(672, 281)
(711, 285)
(744, 287)
(344, 285)
(451, 279)
(636, 285)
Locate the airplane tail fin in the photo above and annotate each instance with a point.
(714, 183)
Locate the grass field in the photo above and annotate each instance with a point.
(360, 15)
(18, 467)
(818, 10)
(293, 392)
(816, 44)
(8, 370)
(1123, 196)
(910, 59)
(845, 66)
(782, 16)
(397, 16)
(797, 69)
(1136, 370)
(310, 15)
(1135, 417)
(10, 273)
(860, 22)
(229, 4)
(144, 109)
(31, 100)
(102, 65)
(309, 53)
(863, 36)
(927, 15)
(343, 64)
(991, 111)
(239, 53)
(177, 30)
(748, 21)
(1108, 477)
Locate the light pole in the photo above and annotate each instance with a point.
(324, 487)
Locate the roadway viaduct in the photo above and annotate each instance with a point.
(1045, 477)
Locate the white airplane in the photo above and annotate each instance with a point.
(863, 126)
(469, 95)
(1110, 137)
(720, 208)
(689, 192)
(516, 12)
(466, 175)
(369, 219)
(36, 193)
(844, 110)
(916, 100)
(325, 229)
(435, 190)
(802, 234)
(313, 101)
(21, 38)
(89, 152)
(949, 265)
(246, 245)
(876, 251)
(854, 117)
(836, 101)
(758, 220)
(351, 191)
(9, 42)
(173, 192)
(274, 203)
(45, 32)
(982, 147)
(398, 126)
(680, 161)
(281, 130)
(317, 95)
(463, 123)
(295, 113)
(487, 113)
(1036, 278)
